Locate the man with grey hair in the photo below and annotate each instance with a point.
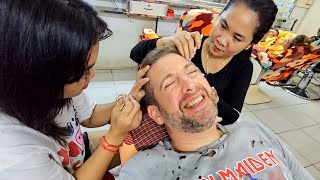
(179, 97)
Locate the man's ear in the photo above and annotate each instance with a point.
(155, 114)
(249, 46)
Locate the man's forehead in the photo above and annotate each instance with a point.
(171, 63)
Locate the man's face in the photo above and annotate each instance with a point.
(186, 100)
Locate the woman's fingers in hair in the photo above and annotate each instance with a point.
(142, 72)
(187, 43)
(137, 92)
(176, 41)
(135, 113)
(181, 41)
(132, 110)
(126, 115)
(131, 106)
(197, 38)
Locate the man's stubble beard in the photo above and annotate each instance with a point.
(179, 121)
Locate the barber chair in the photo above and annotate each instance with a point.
(302, 89)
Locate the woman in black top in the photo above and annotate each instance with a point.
(223, 56)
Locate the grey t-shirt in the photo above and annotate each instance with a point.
(246, 151)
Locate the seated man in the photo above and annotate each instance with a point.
(179, 97)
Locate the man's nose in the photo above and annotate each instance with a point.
(188, 85)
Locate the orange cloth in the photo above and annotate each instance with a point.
(149, 34)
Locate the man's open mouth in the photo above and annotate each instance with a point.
(194, 102)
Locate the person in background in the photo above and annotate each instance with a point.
(48, 49)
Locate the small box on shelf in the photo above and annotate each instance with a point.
(146, 8)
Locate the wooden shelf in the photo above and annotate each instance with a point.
(113, 10)
(153, 16)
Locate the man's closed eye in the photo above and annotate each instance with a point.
(169, 84)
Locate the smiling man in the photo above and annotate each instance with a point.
(179, 97)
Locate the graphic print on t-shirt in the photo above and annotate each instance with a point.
(72, 155)
(250, 168)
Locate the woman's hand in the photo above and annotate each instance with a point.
(126, 116)
(137, 92)
(215, 95)
(185, 42)
(218, 119)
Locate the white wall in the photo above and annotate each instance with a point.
(298, 13)
(114, 51)
(311, 21)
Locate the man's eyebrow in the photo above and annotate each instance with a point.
(170, 75)
(188, 65)
(227, 26)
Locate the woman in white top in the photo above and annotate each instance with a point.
(48, 49)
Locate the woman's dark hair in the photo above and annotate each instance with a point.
(44, 45)
(266, 11)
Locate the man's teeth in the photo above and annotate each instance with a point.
(195, 102)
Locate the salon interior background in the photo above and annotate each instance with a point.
(114, 52)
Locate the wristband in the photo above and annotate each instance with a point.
(108, 146)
